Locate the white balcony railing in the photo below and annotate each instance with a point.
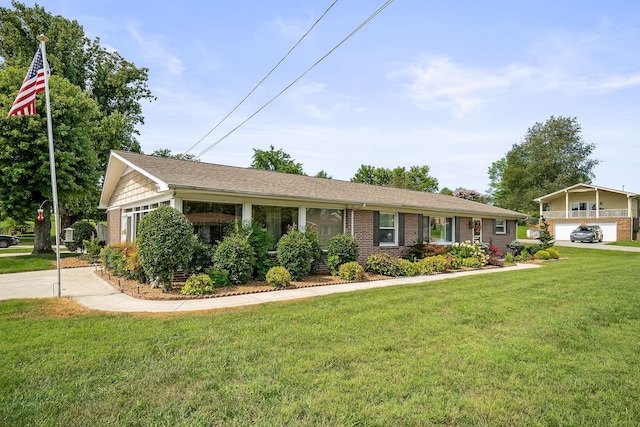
(602, 213)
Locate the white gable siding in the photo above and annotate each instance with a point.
(133, 187)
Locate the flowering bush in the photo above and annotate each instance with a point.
(467, 249)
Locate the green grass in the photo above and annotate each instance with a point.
(21, 263)
(16, 251)
(633, 243)
(522, 232)
(557, 345)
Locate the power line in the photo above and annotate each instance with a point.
(264, 78)
(365, 22)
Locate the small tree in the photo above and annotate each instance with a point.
(165, 244)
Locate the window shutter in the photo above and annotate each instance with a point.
(420, 228)
(400, 229)
(494, 226)
(507, 225)
(376, 228)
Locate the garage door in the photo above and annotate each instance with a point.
(562, 231)
(609, 230)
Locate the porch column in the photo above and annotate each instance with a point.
(597, 203)
(566, 204)
(302, 218)
(246, 212)
(629, 208)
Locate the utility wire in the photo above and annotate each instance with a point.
(365, 22)
(265, 77)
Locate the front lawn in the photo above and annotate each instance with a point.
(556, 345)
(21, 263)
(633, 243)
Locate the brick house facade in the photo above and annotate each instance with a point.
(381, 219)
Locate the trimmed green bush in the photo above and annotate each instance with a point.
(93, 248)
(553, 253)
(219, 278)
(341, 248)
(259, 240)
(542, 254)
(278, 277)
(295, 253)
(383, 263)
(83, 230)
(198, 284)
(311, 234)
(434, 264)
(408, 268)
(201, 257)
(471, 262)
(351, 271)
(235, 256)
(509, 258)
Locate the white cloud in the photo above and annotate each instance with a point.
(437, 82)
(154, 48)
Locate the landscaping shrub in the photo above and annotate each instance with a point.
(407, 267)
(278, 277)
(259, 240)
(83, 230)
(341, 248)
(351, 271)
(384, 264)
(467, 249)
(295, 253)
(93, 248)
(311, 233)
(516, 247)
(198, 284)
(471, 262)
(122, 259)
(201, 257)
(165, 241)
(420, 251)
(219, 278)
(509, 258)
(542, 254)
(235, 256)
(434, 264)
(553, 253)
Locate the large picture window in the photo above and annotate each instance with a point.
(440, 230)
(326, 222)
(276, 219)
(210, 219)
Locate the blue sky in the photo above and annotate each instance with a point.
(452, 85)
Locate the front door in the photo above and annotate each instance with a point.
(477, 230)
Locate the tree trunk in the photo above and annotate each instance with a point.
(42, 237)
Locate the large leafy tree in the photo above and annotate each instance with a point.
(415, 178)
(96, 100)
(551, 156)
(117, 86)
(275, 160)
(25, 178)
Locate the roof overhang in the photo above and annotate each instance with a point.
(116, 168)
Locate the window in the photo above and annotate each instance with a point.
(580, 209)
(210, 219)
(276, 219)
(500, 226)
(326, 222)
(387, 228)
(440, 230)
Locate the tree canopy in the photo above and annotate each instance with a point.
(415, 178)
(551, 156)
(275, 160)
(117, 86)
(165, 152)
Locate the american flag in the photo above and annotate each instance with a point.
(25, 103)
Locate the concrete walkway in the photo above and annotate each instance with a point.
(91, 291)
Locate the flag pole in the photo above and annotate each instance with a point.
(54, 186)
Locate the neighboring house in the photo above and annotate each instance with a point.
(615, 211)
(382, 219)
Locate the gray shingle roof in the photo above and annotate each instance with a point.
(181, 174)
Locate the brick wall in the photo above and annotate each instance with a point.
(114, 220)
